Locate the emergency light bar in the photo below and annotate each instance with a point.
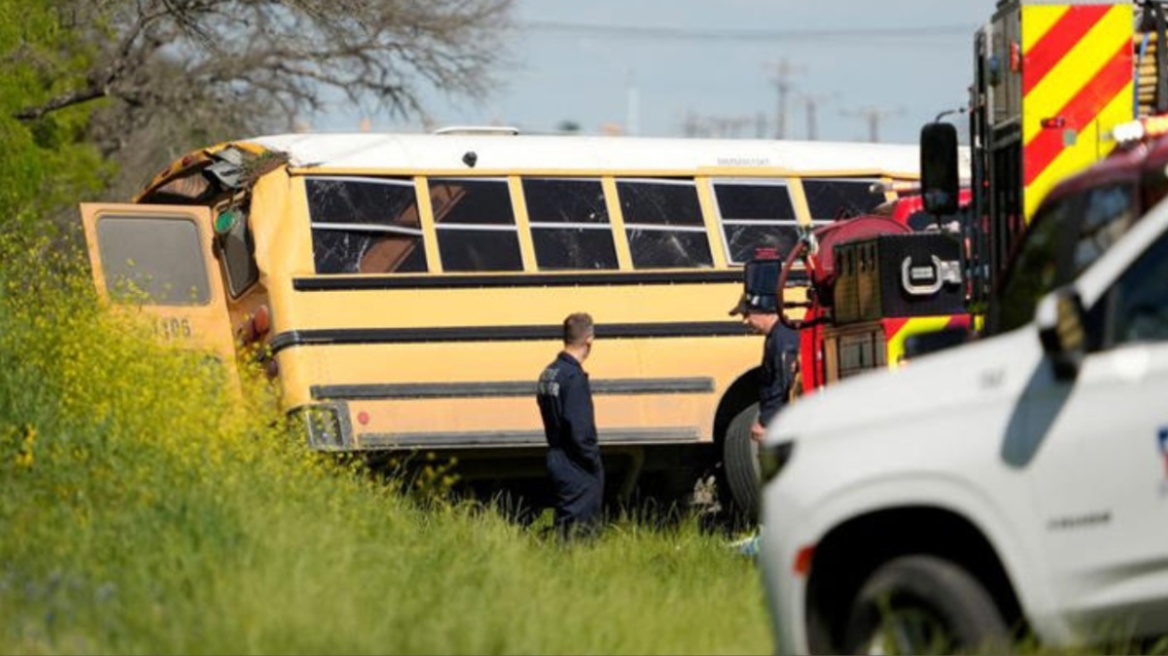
(898, 186)
(1148, 126)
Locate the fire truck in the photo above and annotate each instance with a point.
(864, 293)
(1007, 488)
(1052, 82)
(880, 287)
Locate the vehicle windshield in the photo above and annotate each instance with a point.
(1066, 236)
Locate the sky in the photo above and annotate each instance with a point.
(853, 70)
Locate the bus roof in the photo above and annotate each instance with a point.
(447, 152)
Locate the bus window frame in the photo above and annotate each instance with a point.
(513, 227)
(786, 182)
(599, 226)
(868, 178)
(366, 228)
(701, 226)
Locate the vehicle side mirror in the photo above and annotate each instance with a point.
(1060, 318)
(939, 177)
(933, 341)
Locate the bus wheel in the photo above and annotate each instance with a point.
(924, 605)
(740, 464)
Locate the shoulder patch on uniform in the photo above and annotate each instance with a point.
(548, 385)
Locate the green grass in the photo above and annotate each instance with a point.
(144, 509)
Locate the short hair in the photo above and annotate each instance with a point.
(577, 328)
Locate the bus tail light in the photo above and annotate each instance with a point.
(256, 326)
(326, 425)
(261, 321)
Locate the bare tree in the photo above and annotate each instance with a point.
(167, 76)
(282, 58)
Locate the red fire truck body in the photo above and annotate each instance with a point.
(874, 282)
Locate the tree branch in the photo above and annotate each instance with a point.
(93, 92)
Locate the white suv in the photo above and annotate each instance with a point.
(1014, 486)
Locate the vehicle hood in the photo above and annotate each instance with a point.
(928, 387)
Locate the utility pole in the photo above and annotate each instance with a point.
(781, 78)
(873, 115)
(715, 125)
(811, 104)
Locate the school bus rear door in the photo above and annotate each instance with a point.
(159, 259)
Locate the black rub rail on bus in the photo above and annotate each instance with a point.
(342, 336)
(512, 388)
(361, 283)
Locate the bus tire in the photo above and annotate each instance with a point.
(924, 604)
(740, 464)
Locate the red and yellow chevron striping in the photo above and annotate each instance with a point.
(1077, 85)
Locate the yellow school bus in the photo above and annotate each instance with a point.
(407, 289)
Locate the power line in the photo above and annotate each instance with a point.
(690, 34)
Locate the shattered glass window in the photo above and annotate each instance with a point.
(565, 200)
(663, 221)
(476, 227)
(669, 249)
(742, 240)
(660, 202)
(350, 251)
(569, 224)
(365, 225)
(755, 214)
(831, 198)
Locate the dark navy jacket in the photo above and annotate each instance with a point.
(775, 376)
(565, 402)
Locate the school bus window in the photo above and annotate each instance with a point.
(155, 261)
(829, 199)
(475, 222)
(755, 214)
(663, 221)
(569, 224)
(239, 256)
(365, 225)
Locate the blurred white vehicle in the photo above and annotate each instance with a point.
(1016, 485)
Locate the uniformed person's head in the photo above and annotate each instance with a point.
(759, 312)
(578, 333)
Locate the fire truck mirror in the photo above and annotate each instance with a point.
(939, 183)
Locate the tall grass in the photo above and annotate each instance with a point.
(145, 508)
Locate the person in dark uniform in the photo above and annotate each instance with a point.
(780, 356)
(565, 404)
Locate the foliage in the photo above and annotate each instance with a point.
(47, 163)
(148, 508)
